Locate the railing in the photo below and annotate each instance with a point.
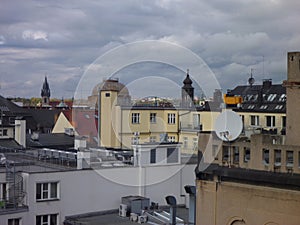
(190, 126)
(15, 194)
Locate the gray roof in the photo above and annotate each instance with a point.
(57, 140)
(267, 97)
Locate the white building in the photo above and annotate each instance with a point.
(45, 193)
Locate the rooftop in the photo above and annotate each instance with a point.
(111, 217)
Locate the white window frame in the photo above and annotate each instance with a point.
(195, 143)
(46, 188)
(48, 218)
(185, 142)
(135, 140)
(152, 139)
(171, 138)
(171, 118)
(273, 121)
(152, 117)
(12, 221)
(135, 118)
(256, 120)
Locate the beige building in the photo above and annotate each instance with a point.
(256, 178)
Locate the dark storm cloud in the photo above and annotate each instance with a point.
(61, 38)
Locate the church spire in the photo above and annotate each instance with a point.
(187, 91)
(45, 93)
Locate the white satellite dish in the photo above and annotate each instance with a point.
(228, 126)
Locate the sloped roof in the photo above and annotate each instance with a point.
(9, 143)
(267, 97)
(58, 140)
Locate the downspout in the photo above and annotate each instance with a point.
(99, 117)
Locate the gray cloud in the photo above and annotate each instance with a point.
(61, 38)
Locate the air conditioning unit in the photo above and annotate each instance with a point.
(134, 217)
(123, 210)
(142, 219)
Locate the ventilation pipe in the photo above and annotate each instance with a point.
(171, 201)
(191, 190)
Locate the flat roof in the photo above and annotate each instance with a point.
(288, 181)
(111, 217)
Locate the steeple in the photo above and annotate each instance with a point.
(45, 93)
(187, 91)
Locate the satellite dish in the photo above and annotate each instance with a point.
(228, 126)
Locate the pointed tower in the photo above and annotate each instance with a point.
(187, 92)
(45, 93)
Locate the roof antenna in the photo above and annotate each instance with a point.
(251, 80)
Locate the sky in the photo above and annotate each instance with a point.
(60, 39)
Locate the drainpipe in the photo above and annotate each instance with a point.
(99, 117)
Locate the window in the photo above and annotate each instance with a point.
(282, 98)
(171, 138)
(225, 155)
(171, 118)
(283, 121)
(135, 118)
(270, 121)
(196, 121)
(152, 117)
(254, 120)
(247, 155)
(289, 158)
(215, 149)
(3, 132)
(266, 156)
(277, 156)
(47, 191)
(153, 155)
(263, 107)
(271, 97)
(251, 106)
(50, 219)
(195, 143)
(107, 94)
(135, 140)
(236, 154)
(278, 107)
(172, 155)
(185, 142)
(152, 139)
(15, 221)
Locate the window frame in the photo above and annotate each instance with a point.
(12, 221)
(153, 117)
(44, 190)
(254, 120)
(171, 118)
(135, 118)
(271, 122)
(48, 218)
(266, 156)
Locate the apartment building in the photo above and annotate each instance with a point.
(254, 179)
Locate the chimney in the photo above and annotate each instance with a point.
(20, 132)
(171, 201)
(292, 85)
(267, 83)
(191, 190)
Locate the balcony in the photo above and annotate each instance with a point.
(190, 127)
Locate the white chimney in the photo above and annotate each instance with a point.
(20, 132)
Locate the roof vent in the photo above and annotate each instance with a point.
(35, 136)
